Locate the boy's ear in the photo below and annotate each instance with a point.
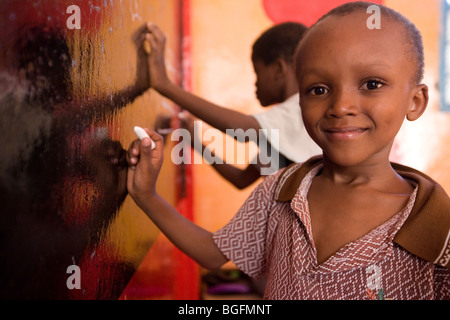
(419, 103)
(280, 66)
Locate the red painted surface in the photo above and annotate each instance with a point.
(187, 271)
(154, 279)
(54, 13)
(306, 12)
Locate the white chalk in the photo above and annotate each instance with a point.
(141, 133)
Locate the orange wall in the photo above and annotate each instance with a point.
(222, 35)
(132, 231)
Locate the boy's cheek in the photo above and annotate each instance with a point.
(310, 114)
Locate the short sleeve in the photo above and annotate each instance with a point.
(243, 240)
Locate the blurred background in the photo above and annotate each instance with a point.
(70, 97)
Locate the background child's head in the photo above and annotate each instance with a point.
(279, 41)
(274, 49)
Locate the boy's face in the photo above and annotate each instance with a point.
(356, 87)
(267, 91)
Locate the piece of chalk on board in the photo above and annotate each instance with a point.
(141, 133)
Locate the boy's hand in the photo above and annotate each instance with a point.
(144, 167)
(157, 64)
(142, 75)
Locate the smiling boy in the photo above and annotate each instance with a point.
(354, 100)
(348, 224)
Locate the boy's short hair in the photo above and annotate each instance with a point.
(279, 41)
(412, 34)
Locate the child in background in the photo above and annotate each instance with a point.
(348, 224)
(272, 58)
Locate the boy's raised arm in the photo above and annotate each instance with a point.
(196, 242)
(219, 117)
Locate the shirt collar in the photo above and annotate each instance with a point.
(426, 231)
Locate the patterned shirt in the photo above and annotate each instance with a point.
(274, 239)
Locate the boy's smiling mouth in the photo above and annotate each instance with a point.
(344, 133)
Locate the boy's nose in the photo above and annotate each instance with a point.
(343, 103)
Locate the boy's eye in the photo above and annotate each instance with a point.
(318, 91)
(372, 85)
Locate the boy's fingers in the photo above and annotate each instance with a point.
(147, 154)
(157, 139)
(133, 153)
(130, 177)
(157, 142)
(142, 176)
(151, 40)
(157, 32)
